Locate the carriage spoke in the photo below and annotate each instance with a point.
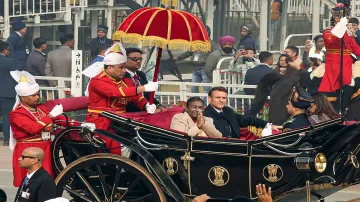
(131, 187)
(102, 181)
(116, 181)
(149, 196)
(77, 194)
(86, 183)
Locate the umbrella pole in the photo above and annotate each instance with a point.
(156, 72)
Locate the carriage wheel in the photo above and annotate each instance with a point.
(116, 179)
(64, 151)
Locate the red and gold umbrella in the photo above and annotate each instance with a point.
(164, 28)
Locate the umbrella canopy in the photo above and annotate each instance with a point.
(164, 28)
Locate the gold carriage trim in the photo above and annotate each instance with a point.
(171, 166)
(218, 176)
(272, 174)
(177, 44)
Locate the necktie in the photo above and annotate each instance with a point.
(136, 77)
(26, 180)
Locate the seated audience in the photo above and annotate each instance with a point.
(299, 101)
(225, 50)
(225, 119)
(321, 110)
(293, 52)
(193, 122)
(282, 65)
(254, 75)
(312, 49)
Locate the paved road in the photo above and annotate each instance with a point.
(6, 178)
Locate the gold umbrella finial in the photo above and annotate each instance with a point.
(23, 79)
(170, 3)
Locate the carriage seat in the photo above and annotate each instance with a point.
(161, 119)
(69, 104)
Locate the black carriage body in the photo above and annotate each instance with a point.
(225, 168)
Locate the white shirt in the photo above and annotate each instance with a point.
(18, 33)
(31, 174)
(131, 73)
(217, 110)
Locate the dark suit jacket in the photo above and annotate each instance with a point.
(18, 48)
(95, 44)
(142, 79)
(41, 187)
(7, 83)
(230, 118)
(254, 75)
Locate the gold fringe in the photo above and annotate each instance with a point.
(176, 44)
(173, 3)
(256, 131)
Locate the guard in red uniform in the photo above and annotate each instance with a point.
(30, 123)
(110, 91)
(331, 79)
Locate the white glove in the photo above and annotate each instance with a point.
(267, 131)
(150, 108)
(91, 126)
(151, 87)
(57, 110)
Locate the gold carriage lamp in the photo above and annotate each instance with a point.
(308, 160)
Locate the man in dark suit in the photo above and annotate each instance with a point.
(133, 64)
(37, 185)
(100, 40)
(18, 47)
(225, 119)
(7, 87)
(253, 75)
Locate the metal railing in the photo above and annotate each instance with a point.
(294, 6)
(170, 92)
(239, 102)
(55, 92)
(27, 8)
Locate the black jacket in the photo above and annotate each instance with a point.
(229, 122)
(131, 107)
(254, 75)
(299, 121)
(41, 187)
(18, 48)
(7, 83)
(95, 44)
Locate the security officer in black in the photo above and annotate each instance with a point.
(37, 185)
(299, 102)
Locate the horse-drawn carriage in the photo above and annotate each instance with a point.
(167, 165)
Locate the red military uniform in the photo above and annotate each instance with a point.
(106, 93)
(27, 127)
(331, 79)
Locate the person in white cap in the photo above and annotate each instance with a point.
(31, 123)
(109, 90)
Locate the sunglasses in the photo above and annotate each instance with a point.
(135, 59)
(30, 157)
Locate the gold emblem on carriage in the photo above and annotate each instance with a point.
(272, 173)
(218, 176)
(171, 165)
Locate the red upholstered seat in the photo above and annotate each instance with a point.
(69, 104)
(161, 119)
